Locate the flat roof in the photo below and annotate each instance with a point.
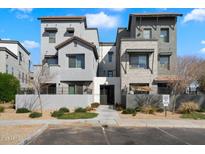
(15, 42)
(62, 18)
(160, 14)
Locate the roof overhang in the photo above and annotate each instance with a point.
(165, 79)
(139, 50)
(9, 52)
(165, 53)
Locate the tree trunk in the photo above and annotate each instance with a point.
(41, 106)
(174, 104)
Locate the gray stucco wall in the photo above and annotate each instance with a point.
(47, 48)
(53, 102)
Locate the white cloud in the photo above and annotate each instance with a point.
(5, 39)
(30, 44)
(195, 15)
(24, 10)
(117, 9)
(102, 20)
(202, 50)
(203, 42)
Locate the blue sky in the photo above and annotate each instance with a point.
(22, 24)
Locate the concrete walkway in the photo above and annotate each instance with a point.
(108, 116)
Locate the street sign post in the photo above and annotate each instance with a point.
(165, 101)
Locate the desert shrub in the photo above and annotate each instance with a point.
(188, 107)
(9, 85)
(88, 108)
(35, 115)
(57, 113)
(160, 110)
(118, 107)
(134, 114)
(64, 109)
(2, 109)
(22, 110)
(128, 111)
(148, 109)
(95, 105)
(80, 109)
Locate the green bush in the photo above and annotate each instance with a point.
(64, 109)
(160, 110)
(22, 110)
(80, 109)
(78, 115)
(2, 109)
(35, 115)
(128, 111)
(148, 109)
(9, 85)
(188, 107)
(95, 105)
(57, 113)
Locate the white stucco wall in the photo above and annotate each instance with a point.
(106, 81)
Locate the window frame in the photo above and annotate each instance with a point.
(110, 56)
(164, 39)
(110, 75)
(77, 58)
(76, 89)
(52, 37)
(137, 65)
(161, 65)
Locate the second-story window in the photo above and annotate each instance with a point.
(76, 61)
(12, 71)
(164, 62)
(164, 34)
(20, 57)
(52, 37)
(138, 61)
(22, 77)
(147, 33)
(110, 73)
(110, 55)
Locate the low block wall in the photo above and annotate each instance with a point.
(53, 102)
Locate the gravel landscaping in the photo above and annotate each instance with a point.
(16, 134)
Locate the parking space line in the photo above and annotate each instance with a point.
(105, 135)
(173, 136)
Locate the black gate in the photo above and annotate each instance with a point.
(107, 95)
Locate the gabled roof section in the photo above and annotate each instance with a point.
(75, 38)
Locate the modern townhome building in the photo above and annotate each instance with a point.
(85, 70)
(15, 60)
(146, 53)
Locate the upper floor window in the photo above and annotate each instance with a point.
(7, 56)
(110, 73)
(20, 57)
(22, 77)
(110, 55)
(69, 31)
(19, 75)
(164, 62)
(51, 60)
(7, 69)
(164, 34)
(76, 61)
(52, 37)
(138, 61)
(147, 33)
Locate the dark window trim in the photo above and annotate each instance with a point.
(139, 54)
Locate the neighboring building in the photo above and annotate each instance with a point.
(15, 60)
(146, 53)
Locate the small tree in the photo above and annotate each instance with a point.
(187, 69)
(41, 79)
(9, 85)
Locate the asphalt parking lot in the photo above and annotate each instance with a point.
(94, 135)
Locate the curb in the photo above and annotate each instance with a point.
(34, 135)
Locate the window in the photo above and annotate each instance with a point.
(147, 34)
(164, 62)
(77, 61)
(164, 88)
(19, 75)
(138, 61)
(51, 61)
(22, 77)
(7, 69)
(12, 71)
(110, 54)
(164, 34)
(70, 32)
(110, 73)
(75, 89)
(52, 37)
(20, 57)
(26, 79)
(7, 56)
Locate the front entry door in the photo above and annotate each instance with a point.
(107, 95)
